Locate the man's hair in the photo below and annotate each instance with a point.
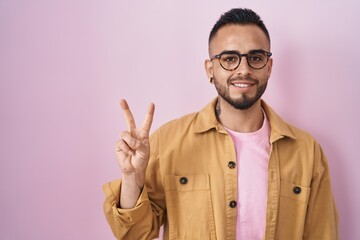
(242, 16)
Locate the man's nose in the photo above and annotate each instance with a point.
(243, 68)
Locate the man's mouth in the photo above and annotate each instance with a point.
(242, 85)
(243, 82)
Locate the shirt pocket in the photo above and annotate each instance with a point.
(189, 206)
(292, 210)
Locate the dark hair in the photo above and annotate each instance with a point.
(239, 16)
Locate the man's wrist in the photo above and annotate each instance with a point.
(135, 179)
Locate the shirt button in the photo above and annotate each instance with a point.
(297, 190)
(233, 204)
(231, 164)
(183, 180)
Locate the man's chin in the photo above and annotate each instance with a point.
(242, 103)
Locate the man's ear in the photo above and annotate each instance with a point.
(270, 64)
(209, 68)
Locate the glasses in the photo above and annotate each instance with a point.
(230, 60)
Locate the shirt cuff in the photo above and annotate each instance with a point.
(125, 217)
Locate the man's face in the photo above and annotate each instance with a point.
(243, 86)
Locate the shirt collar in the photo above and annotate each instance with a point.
(278, 127)
(207, 120)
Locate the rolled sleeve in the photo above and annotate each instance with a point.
(121, 220)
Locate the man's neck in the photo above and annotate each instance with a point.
(247, 120)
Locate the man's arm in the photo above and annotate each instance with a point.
(129, 212)
(322, 219)
(141, 222)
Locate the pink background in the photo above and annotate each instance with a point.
(64, 65)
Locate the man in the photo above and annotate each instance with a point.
(234, 170)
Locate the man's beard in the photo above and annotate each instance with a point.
(244, 101)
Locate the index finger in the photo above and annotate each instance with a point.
(149, 118)
(129, 118)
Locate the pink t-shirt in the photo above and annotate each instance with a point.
(252, 154)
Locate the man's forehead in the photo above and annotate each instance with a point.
(239, 35)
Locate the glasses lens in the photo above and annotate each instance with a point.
(229, 61)
(257, 60)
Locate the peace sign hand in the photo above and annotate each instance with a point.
(133, 148)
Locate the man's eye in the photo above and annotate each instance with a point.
(230, 59)
(255, 58)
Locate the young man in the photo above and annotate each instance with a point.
(234, 170)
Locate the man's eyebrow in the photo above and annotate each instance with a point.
(257, 50)
(230, 51)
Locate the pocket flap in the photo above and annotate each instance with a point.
(294, 191)
(187, 182)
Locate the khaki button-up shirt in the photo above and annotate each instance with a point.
(191, 189)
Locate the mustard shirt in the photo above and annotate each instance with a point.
(191, 185)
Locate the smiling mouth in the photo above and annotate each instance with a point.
(243, 84)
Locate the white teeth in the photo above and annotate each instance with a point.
(241, 85)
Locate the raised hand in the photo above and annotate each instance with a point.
(133, 148)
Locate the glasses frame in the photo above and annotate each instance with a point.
(218, 56)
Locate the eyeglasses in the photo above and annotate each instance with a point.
(230, 60)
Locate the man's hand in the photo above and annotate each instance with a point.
(133, 148)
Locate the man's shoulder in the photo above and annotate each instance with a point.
(283, 128)
(299, 133)
(179, 123)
